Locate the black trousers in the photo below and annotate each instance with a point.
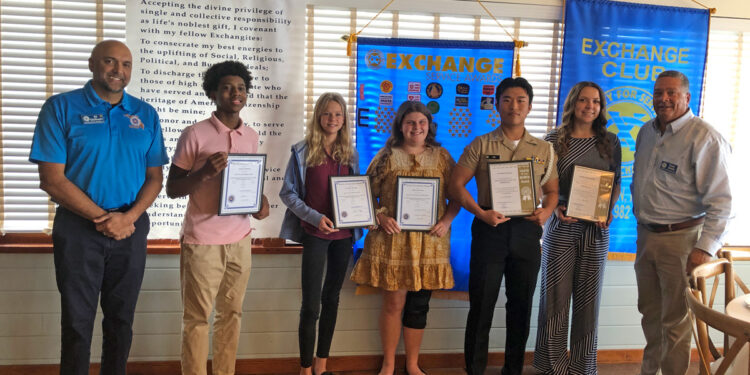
(511, 250)
(88, 263)
(315, 254)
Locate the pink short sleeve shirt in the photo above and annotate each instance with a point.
(202, 224)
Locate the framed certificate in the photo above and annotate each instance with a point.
(512, 187)
(351, 197)
(590, 194)
(417, 202)
(242, 184)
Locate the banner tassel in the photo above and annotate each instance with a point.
(519, 44)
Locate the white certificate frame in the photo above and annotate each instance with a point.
(242, 184)
(518, 186)
(351, 198)
(590, 189)
(406, 187)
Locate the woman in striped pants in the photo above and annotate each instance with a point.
(574, 251)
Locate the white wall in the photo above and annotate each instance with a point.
(540, 9)
(30, 313)
(30, 307)
(724, 8)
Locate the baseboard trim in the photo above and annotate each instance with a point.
(340, 363)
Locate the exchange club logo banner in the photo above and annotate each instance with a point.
(623, 47)
(456, 80)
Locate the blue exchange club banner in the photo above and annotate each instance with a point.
(623, 47)
(456, 80)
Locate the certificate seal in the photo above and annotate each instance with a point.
(231, 198)
(344, 214)
(526, 193)
(406, 216)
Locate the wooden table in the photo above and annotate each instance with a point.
(737, 308)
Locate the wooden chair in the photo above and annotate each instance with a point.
(733, 254)
(701, 305)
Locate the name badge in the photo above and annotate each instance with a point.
(668, 167)
(492, 157)
(92, 119)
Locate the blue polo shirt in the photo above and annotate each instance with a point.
(106, 149)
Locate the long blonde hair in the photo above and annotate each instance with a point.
(603, 144)
(342, 149)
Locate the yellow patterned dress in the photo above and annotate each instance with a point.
(407, 260)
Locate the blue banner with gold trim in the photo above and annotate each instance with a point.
(623, 47)
(456, 80)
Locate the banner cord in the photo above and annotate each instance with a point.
(710, 10)
(352, 38)
(518, 43)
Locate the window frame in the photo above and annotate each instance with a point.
(109, 20)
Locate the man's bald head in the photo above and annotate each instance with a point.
(105, 45)
(111, 63)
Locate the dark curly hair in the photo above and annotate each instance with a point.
(216, 72)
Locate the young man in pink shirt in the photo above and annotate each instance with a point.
(215, 250)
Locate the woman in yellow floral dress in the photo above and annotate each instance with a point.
(407, 265)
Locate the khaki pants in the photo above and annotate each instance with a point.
(660, 273)
(211, 273)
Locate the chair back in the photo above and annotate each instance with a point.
(733, 254)
(705, 317)
(713, 269)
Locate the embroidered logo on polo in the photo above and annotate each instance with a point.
(92, 119)
(135, 122)
(668, 167)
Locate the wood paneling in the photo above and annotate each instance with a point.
(40, 243)
(344, 363)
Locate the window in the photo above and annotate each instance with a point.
(44, 46)
(726, 91)
(332, 70)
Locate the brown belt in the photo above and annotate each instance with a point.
(659, 228)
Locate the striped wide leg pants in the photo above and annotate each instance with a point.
(573, 258)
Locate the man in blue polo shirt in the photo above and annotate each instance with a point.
(100, 153)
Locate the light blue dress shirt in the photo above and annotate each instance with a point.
(683, 174)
